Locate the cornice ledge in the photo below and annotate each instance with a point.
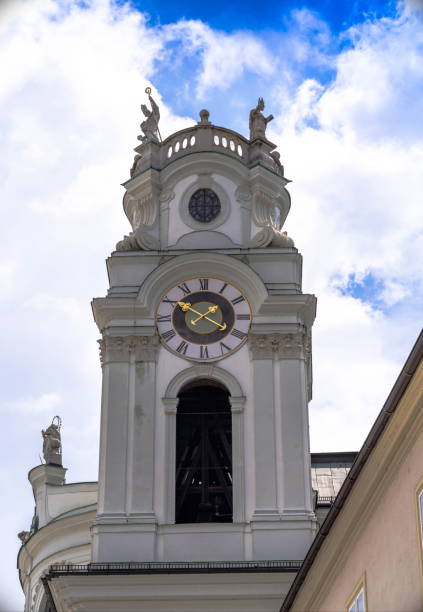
(58, 526)
(120, 349)
(109, 309)
(302, 303)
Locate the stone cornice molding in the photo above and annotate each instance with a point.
(122, 348)
(279, 346)
(109, 310)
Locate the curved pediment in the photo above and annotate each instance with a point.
(204, 239)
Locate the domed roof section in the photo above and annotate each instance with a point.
(153, 152)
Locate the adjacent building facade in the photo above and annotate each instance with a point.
(369, 551)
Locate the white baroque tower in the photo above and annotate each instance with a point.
(204, 500)
(206, 358)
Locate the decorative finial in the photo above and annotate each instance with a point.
(204, 117)
(52, 444)
(150, 127)
(258, 122)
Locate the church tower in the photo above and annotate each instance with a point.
(206, 357)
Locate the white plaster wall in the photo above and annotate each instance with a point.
(231, 227)
(60, 500)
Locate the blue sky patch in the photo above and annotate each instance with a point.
(252, 15)
(368, 289)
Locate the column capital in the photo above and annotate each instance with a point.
(237, 403)
(170, 404)
(121, 348)
(280, 346)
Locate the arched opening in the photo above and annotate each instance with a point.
(203, 454)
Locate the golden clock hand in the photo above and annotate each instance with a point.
(211, 309)
(222, 327)
(187, 306)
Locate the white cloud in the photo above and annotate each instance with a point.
(8, 269)
(224, 57)
(46, 404)
(374, 94)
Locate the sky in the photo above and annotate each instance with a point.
(344, 81)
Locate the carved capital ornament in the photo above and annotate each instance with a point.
(122, 348)
(279, 346)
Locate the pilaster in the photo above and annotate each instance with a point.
(127, 444)
(238, 461)
(281, 443)
(170, 407)
(291, 354)
(265, 505)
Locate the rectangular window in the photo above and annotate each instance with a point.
(357, 601)
(420, 508)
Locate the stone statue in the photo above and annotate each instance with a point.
(258, 122)
(23, 536)
(150, 127)
(52, 444)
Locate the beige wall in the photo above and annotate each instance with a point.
(376, 533)
(386, 551)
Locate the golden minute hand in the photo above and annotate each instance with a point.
(187, 306)
(210, 310)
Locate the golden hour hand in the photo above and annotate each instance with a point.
(187, 306)
(211, 310)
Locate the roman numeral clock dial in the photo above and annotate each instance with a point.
(203, 319)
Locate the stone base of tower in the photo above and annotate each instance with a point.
(285, 538)
(227, 587)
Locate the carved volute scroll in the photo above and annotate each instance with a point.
(142, 211)
(268, 213)
(271, 237)
(262, 203)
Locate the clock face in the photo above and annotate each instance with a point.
(203, 319)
